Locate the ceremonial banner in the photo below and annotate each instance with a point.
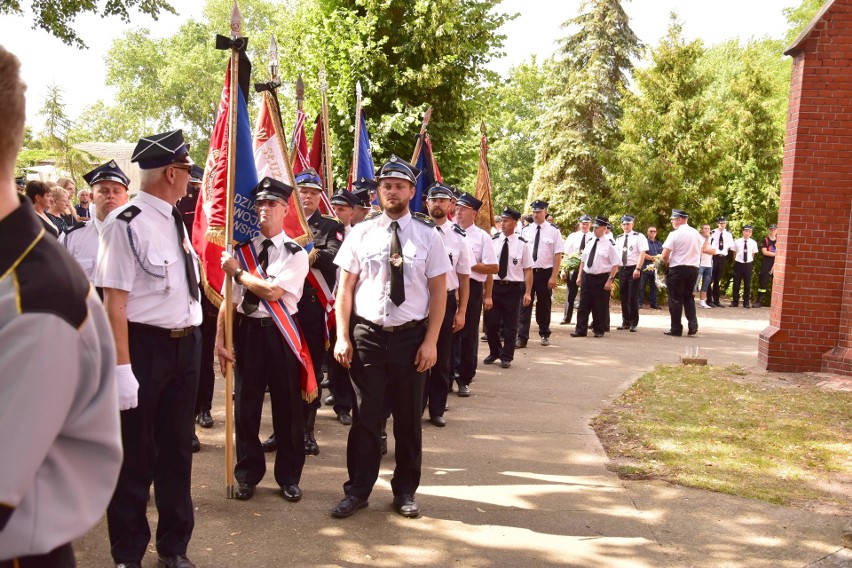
(485, 216)
(429, 174)
(366, 167)
(208, 235)
(302, 158)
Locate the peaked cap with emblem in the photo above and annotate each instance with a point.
(585, 219)
(365, 184)
(396, 167)
(539, 205)
(467, 200)
(269, 189)
(679, 214)
(509, 213)
(627, 218)
(161, 150)
(345, 197)
(309, 178)
(439, 191)
(602, 222)
(197, 174)
(107, 172)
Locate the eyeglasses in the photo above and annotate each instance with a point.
(185, 167)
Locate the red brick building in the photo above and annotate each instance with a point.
(810, 324)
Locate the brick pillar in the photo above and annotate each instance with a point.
(809, 325)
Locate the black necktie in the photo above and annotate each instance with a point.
(250, 299)
(591, 259)
(535, 244)
(503, 268)
(188, 260)
(397, 279)
(720, 240)
(583, 242)
(745, 250)
(624, 251)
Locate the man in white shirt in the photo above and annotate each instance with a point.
(632, 247)
(597, 273)
(744, 250)
(721, 240)
(545, 244)
(682, 252)
(575, 242)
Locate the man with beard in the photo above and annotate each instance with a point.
(391, 301)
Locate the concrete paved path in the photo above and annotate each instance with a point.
(516, 478)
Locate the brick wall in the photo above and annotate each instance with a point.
(809, 325)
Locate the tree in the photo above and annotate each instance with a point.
(670, 152)
(800, 16)
(580, 126)
(56, 141)
(56, 16)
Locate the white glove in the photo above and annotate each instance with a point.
(128, 387)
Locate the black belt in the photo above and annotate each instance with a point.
(171, 333)
(391, 328)
(543, 269)
(505, 282)
(262, 322)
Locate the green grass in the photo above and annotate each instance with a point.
(719, 429)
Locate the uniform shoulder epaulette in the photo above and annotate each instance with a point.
(497, 236)
(459, 230)
(522, 239)
(129, 214)
(330, 217)
(78, 225)
(293, 247)
(425, 219)
(372, 214)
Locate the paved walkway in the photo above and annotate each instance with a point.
(517, 478)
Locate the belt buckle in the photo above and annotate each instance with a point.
(389, 328)
(178, 333)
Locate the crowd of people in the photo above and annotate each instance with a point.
(384, 311)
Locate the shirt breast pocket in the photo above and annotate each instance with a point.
(161, 269)
(415, 264)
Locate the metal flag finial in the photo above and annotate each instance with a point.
(300, 88)
(323, 80)
(273, 58)
(236, 21)
(358, 89)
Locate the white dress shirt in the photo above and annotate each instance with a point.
(577, 241)
(727, 241)
(520, 257)
(284, 269)
(750, 246)
(366, 252)
(154, 275)
(458, 251)
(636, 244)
(606, 255)
(82, 243)
(686, 244)
(549, 243)
(482, 251)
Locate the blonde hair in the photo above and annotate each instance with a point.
(13, 113)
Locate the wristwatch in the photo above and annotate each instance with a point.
(238, 275)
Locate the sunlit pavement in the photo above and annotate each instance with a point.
(516, 478)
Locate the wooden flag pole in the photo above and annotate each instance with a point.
(426, 117)
(326, 136)
(357, 131)
(236, 25)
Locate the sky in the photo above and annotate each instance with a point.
(81, 74)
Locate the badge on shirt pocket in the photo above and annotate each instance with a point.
(515, 261)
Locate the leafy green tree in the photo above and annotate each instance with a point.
(580, 124)
(55, 142)
(800, 16)
(56, 16)
(670, 152)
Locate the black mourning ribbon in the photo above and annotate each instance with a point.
(224, 42)
(397, 279)
(503, 268)
(188, 259)
(250, 299)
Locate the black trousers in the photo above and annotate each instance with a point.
(207, 375)
(467, 340)
(680, 282)
(765, 274)
(542, 298)
(718, 269)
(594, 300)
(742, 274)
(311, 318)
(507, 298)
(157, 440)
(438, 378)
(59, 557)
(340, 384)
(383, 363)
(571, 295)
(630, 289)
(263, 358)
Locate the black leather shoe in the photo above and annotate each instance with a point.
(622, 327)
(329, 400)
(490, 359)
(204, 419)
(464, 390)
(505, 364)
(575, 334)
(406, 506)
(438, 421)
(520, 344)
(746, 306)
(565, 322)
(291, 493)
(344, 418)
(176, 561)
(734, 304)
(692, 331)
(718, 304)
(348, 507)
(128, 565)
(196, 443)
(244, 492)
(269, 444)
(633, 328)
(598, 334)
(311, 446)
(383, 445)
(673, 333)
